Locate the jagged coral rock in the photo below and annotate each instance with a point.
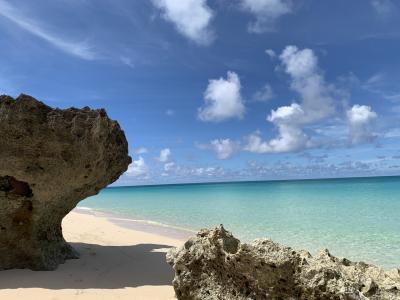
(215, 265)
(50, 159)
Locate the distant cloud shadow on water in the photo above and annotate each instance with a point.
(100, 267)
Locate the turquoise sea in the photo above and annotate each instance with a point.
(357, 218)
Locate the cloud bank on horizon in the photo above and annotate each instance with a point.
(220, 90)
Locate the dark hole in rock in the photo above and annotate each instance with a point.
(12, 185)
(4, 184)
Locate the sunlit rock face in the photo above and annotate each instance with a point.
(215, 265)
(50, 159)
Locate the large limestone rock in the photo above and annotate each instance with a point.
(50, 159)
(215, 265)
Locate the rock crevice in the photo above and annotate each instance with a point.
(50, 159)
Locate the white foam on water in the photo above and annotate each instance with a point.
(83, 208)
(154, 223)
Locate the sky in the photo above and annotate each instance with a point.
(220, 90)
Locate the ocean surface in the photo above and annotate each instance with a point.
(356, 218)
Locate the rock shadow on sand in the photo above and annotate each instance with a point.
(99, 267)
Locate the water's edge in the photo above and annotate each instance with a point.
(146, 226)
(353, 218)
(152, 227)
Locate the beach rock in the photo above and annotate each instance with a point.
(215, 265)
(50, 159)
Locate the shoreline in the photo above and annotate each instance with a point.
(119, 258)
(115, 262)
(183, 234)
(147, 226)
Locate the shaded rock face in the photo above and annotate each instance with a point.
(215, 265)
(50, 159)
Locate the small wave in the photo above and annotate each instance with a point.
(113, 216)
(84, 208)
(154, 223)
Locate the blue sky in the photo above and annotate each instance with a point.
(220, 90)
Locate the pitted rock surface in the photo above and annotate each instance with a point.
(216, 265)
(50, 159)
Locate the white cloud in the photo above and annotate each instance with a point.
(224, 148)
(80, 49)
(140, 150)
(264, 94)
(191, 18)
(360, 118)
(169, 166)
(290, 138)
(138, 168)
(207, 171)
(299, 63)
(266, 12)
(172, 170)
(164, 155)
(375, 79)
(382, 7)
(317, 98)
(271, 53)
(316, 104)
(222, 99)
(127, 61)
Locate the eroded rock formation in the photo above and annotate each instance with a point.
(215, 265)
(50, 159)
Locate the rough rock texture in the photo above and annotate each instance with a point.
(215, 265)
(50, 159)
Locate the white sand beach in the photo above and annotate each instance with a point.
(115, 263)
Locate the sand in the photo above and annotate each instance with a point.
(115, 263)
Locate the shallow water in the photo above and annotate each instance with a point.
(357, 218)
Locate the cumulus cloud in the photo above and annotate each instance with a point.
(291, 136)
(264, 94)
(316, 103)
(165, 155)
(191, 18)
(224, 148)
(266, 12)
(317, 97)
(360, 118)
(222, 99)
(138, 168)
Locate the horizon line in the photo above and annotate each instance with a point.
(250, 181)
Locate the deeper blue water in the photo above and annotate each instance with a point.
(357, 218)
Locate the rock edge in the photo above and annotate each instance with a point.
(50, 159)
(216, 265)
